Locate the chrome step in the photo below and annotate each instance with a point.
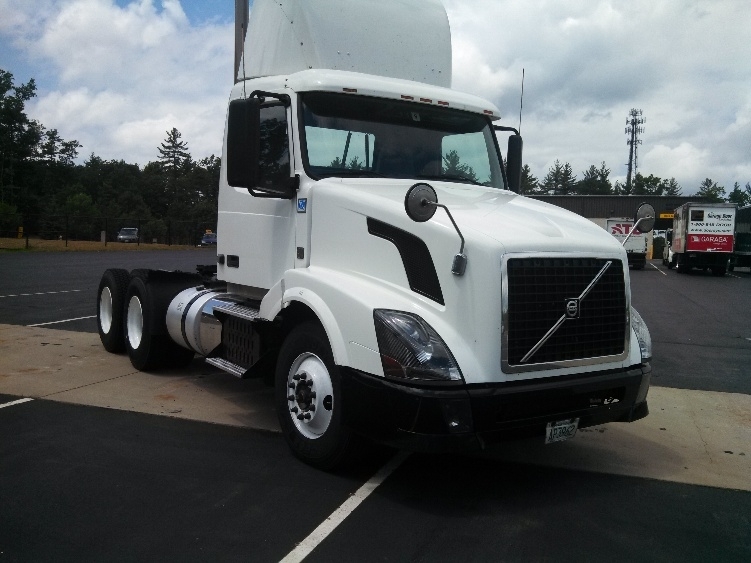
(238, 310)
(229, 367)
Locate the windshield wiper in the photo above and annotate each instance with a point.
(449, 178)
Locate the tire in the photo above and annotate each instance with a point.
(146, 338)
(308, 399)
(671, 263)
(718, 271)
(110, 309)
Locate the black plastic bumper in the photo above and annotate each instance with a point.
(470, 417)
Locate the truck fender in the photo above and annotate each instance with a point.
(314, 302)
(271, 304)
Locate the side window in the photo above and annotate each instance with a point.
(273, 161)
(465, 156)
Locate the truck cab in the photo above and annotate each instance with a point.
(377, 264)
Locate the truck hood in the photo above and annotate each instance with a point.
(516, 223)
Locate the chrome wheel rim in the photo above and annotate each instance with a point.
(105, 310)
(310, 395)
(135, 322)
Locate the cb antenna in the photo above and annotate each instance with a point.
(521, 104)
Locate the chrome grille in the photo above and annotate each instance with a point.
(538, 329)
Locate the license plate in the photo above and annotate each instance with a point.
(561, 430)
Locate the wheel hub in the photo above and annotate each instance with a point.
(310, 398)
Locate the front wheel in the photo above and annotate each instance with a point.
(308, 399)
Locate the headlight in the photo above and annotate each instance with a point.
(642, 335)
(411, 349)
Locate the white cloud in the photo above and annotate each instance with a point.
(126, 75)
(687, 64)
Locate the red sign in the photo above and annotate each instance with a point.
(710, 243)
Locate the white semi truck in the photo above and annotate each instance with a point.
(633, 241)
(376, 262)
(702, 237)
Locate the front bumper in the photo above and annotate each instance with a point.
(472, 417)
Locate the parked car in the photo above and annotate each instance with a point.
(208, 239)
(127, 234)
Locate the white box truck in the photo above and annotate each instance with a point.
(702, 237)
(376, 262)
(635, 245)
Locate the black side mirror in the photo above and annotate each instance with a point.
(243, 145)
(514, 163)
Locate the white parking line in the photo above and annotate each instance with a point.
(304, 548)
(41, 293)
(64, 321)
(18, 402)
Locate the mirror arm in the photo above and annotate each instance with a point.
(631, 232)
(460, 260)
(505, 128)
(261, 95)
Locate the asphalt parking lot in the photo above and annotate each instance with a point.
(110, 464)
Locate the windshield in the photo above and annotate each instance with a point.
(349, 135)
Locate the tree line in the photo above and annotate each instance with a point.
(560, 180)
(41, 183)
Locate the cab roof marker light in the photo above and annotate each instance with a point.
(426, 100)
(405, 97)
(350, 90)
(488, 112)
(440, 103)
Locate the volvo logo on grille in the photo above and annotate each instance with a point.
(572, 308)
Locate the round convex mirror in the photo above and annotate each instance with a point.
(419, 202)
(645, 218)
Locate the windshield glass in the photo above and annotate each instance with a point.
(349, 135)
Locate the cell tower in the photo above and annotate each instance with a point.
(633, 129)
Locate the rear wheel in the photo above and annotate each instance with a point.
(110, 308)
(308, 398)
(146, 339)
(718, 271)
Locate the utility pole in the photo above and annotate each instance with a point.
(633, 129)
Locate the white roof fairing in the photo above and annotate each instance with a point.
(406, 39)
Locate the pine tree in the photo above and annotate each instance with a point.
(560, 179)
(529, 184)
(740, 197)
(711, 191)
(176, 162)
(671, 187)
(595, 181)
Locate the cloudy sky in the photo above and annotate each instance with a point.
(117, 74)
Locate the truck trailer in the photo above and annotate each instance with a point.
(377, 264)
(702, 237)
